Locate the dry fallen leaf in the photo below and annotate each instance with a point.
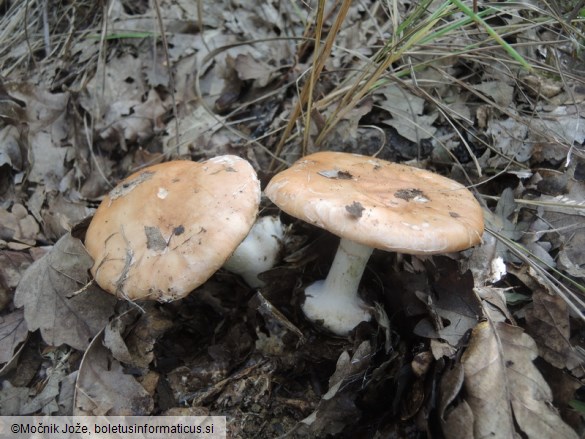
(195, 129)
(453, 308)
(407, 112)
(10, 150)
(249, 68)
(456, 421)
(132, 340)
(18, 225)
(337, 407)
(459, 423)
(48, 131)
(46, 400)
(50, 292)
(103, 388)
(548, 322)
(12, 266)
(499, 91)
(504, 387)
(13, 332)
(12, 399)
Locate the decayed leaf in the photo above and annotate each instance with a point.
(127, 109)
(503, 385)
(145, 118)
(136, 347)
(564, 214)
(458, 317)
(12, 399)
(60, 214)
(337, 407)
(453, 309)
(531, 395)
(103, 388)
(46, 401)
(456, 422)
(459, 423)
(485, 382)
(50, 294)
(494, 304)
(65, 398)
(114, 341)
(572, 257)
(564, 123)
(548, 322)
(13, 331)
(510, 139)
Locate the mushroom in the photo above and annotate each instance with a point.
(259, 251)
(166, 229)
(371, 203)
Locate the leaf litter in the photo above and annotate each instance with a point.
(59, 299)
(496, 329)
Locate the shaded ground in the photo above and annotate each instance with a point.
(486, 341)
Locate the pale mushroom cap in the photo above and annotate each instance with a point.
(379, 204)
(166, 229)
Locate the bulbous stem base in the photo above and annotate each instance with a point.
(335, 300)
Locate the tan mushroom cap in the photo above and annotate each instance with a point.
(379, 204)
(166, 229)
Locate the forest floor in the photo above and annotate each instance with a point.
(488, 341)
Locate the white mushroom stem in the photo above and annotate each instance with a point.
(335, 300)
(259, 252)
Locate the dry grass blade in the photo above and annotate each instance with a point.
(172, 86)
(575, 302)
(378, 66)
(306, 96)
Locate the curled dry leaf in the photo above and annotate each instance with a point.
(56, 297)
(103, 388)
(456, 419)
(459, 423)
(504, 387)
(114, 340)
(132, 340)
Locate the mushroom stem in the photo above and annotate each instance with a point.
(259, 252)
(335, 300)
